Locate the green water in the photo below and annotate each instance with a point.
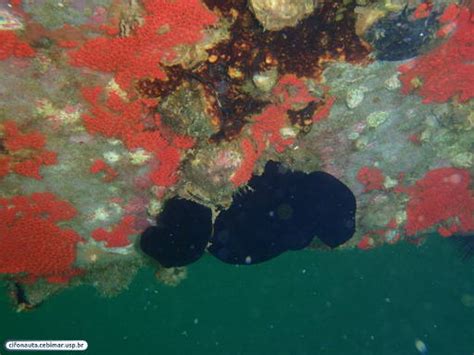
(354, 302)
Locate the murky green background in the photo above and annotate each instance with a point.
(352, 302)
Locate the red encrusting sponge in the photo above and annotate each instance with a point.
(116, 236)
(166, 25)
(25, 153)
(442, 195)
(124, 120)
(32, 245)
(266, 127)
(372, 178)
(447, 70)
(100, 166)
(12, 46)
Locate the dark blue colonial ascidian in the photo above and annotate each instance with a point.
(464, 242)
(400, 36)
(281, 211)
(181, 235)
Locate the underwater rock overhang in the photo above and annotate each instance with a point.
(71, 115)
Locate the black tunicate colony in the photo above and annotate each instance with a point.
(401, 36)
(282, 211)
(181, 234)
